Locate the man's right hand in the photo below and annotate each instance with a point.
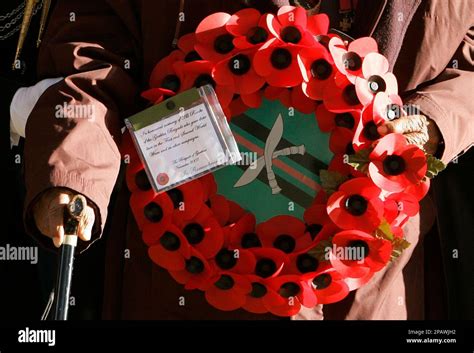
(48, 213)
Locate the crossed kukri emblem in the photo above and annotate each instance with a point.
(266, 161)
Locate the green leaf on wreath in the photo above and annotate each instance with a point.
(360, 160)
(330, 181)
(398, 246)
(384, 231)
(434, 166)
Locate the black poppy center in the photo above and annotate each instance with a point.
(306, 263)
(285, 243)
(192, 56)
(170, 241)
(171, 82)
(349, 149)
(289, 289)
(239, 65)
(225, 259)
(225, 282)
(376, 84)
(257, 35)
(224, 44)
(194, 233)
(281, 58)
(291, 34)
(352, 61)
(393, 112)
(250, 240)
(176, 197)
(370, 131)
(356, 205)
(142, 181)
(153, 212)
(265, 268)
(321, 69)
(361, 248)
(194, 265)
(345, 120)
(258, 290)
(394, 165)
(313, 230)
(323, 40)
(349, 95)
(204, 79)
(322, 281)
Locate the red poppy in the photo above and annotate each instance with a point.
(199, 73)
(270, 262)
(285, 233)
(150, 207)
(357, 205)
(340, 141)
(209, 186)
(399, 207)
(341, 97)
(220, 208)
(419, 190)
(290, 26)
(328, 285)
(171, 250)
(375, 78)
(394, 164)
(339, 163)
(235, 108)
(239, 261)
(213, 41)
(249, 28)
(257, 298)
(186, 43)
(238, 73)
(135, 175)
(203, 232)
(196, 273)
(163, 74)
(253, 100)
(348, 58)
(278, 93)
(236, 212)
(328, 121)
(300, 264)
(383, 108)
(157, 95)
(362, 249)
(293, 97)
(187, 199)
(293, 292)
(318, 224)
(278, 64)
(317, 68)
(241, 234)
(227, 291)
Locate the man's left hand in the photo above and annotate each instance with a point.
(418, 129)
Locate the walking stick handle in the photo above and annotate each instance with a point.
(73, 214)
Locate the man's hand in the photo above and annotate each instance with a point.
(48, 213)
(418, 130)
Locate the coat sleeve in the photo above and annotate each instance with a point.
(448, 100)
(73, 133)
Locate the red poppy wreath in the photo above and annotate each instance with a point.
(371, 188)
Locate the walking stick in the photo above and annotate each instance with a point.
(73, 214)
